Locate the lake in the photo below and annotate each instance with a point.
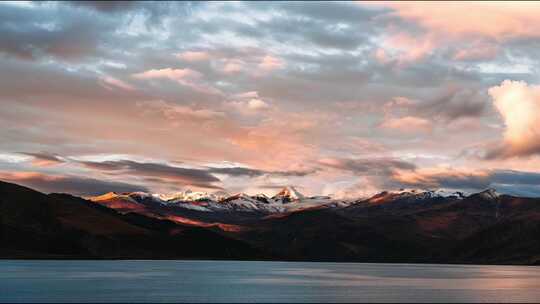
(231, 281)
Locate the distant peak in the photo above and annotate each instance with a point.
(489, 193)
(289, 193)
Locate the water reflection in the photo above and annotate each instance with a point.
(454, 277)
(226, 281)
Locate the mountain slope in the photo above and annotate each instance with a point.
(406, 226)
(34, 225)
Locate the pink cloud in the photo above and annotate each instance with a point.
(269, 63)
(499, 20)
(248, 103)
(397, 103)
(475, 25)
(111, 82)
(187, 77)
(178, 75)
(232, 66)
(257, 104)
(250, 94)
(175, 112)
(381, 56)
(45, 159)
(477, 51)
(193, 56)
(404, 48)
(408, 124)
(252, 64)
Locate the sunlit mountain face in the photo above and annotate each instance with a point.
(338, 99)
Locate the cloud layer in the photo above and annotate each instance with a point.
(68, 184)
(248, 96)
(519, 105)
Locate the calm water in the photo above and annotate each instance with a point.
(224, 281)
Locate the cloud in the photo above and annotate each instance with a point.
(232, 65)
(516, 177)
(314, 26)
(153, 13)
(505, 181)
(404, 49)
(497, 20)
(182, 176)
(181, 76)
(368, 166)
(248, 103)
(442, 178)
(30, 83)
(193, 56)
(68, 184)
(44, 159)
(186, 77)
(45, 32)
(519, 105)
(247, 95)
(106, 6)
(471, 32)
(112, 83)
(256, 83)
(269, 63)
(198, 177)
(175, 112)
(452, 103)
(257, 104)
(370, 175)
(409, 124)
(477, 52)
(241, 171)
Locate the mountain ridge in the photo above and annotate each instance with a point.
(404, 227)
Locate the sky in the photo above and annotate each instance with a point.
(336, 98)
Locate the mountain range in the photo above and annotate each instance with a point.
(405, 226)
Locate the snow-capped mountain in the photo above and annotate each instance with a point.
(287, 195)
(412, 195)
(189, 196)
(215, 202)
(288, 199)
(489, 194)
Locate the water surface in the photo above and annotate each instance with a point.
(226, 281)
